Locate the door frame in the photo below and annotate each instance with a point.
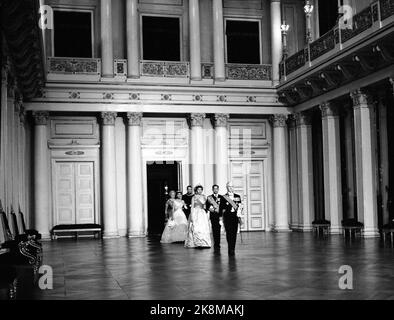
(264, 191)
(76, 154)
(182, 178)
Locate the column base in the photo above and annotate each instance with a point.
(306, 228)
(220, 79)
(282, 229)
(336, 230)
(110, 235)
(45, 236)
(136, 234)
(195, 78)
(370, 233)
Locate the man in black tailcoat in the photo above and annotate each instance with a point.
(187, 197)
(230, 209)
(213, 206)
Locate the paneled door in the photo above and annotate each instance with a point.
(74, 198)
(248, 180)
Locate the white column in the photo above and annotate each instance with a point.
(280, 163)
(332, 166)
(107, 51)
(41, 171)
(276, 39)
(23, 180)
(133, 42)
(135, 222)
(194, 36)
(365, 168)
(221, 150)
(197, 146)
(218, 40)
(109, 175)
(293, 172)
(305, 171)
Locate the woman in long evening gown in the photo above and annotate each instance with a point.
(199, 232)
(176, 226)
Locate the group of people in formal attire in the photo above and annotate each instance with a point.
(192, 217)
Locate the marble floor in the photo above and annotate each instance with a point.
(266, 266)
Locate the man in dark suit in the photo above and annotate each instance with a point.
(230, 208)
(213, 205)
(187, 197)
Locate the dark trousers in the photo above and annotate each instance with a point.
(215, 230)
(231, 226)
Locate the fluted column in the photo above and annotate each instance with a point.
(218, 40)
(135, 221)
(305, 170)
(276, 39)
(41, 172)
(107, 51)
(133, 43)
(293, 171)
(280, 163)
(195, 42)
(332, 166)
(109, 174)
(221, 149)
(197, 145)
(365, 166)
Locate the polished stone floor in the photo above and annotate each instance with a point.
(266, 266)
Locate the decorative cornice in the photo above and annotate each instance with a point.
(108, 118)
(303, 119)
(361, 99)
(134, 118)
(220, 120)
(329, 109)
(278, 120)
(196, 119)
(41, 118)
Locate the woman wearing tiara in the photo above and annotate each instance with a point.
(176, 226)
(199, 233)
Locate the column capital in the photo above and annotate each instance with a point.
(329, 109)
(291, 120)
(278, 120)
(361, 99)
(41, 118)
(196, 119)
(108, 118)
(134, 118)
(220, 120)
(22, 115)
(391, 80)
(5, 69)
(303, 119)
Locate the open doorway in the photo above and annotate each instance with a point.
(161, 178)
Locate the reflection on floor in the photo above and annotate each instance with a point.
(266, 266)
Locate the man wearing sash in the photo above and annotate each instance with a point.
(230, 211)
(213, 205)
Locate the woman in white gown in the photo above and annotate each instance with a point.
(199, 232)
(176, 226)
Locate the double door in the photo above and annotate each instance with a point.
(248, 180)
(74, 192)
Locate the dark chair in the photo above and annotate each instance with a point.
(388, 229)
(321, 227)
(351, 227)
(22, 227)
